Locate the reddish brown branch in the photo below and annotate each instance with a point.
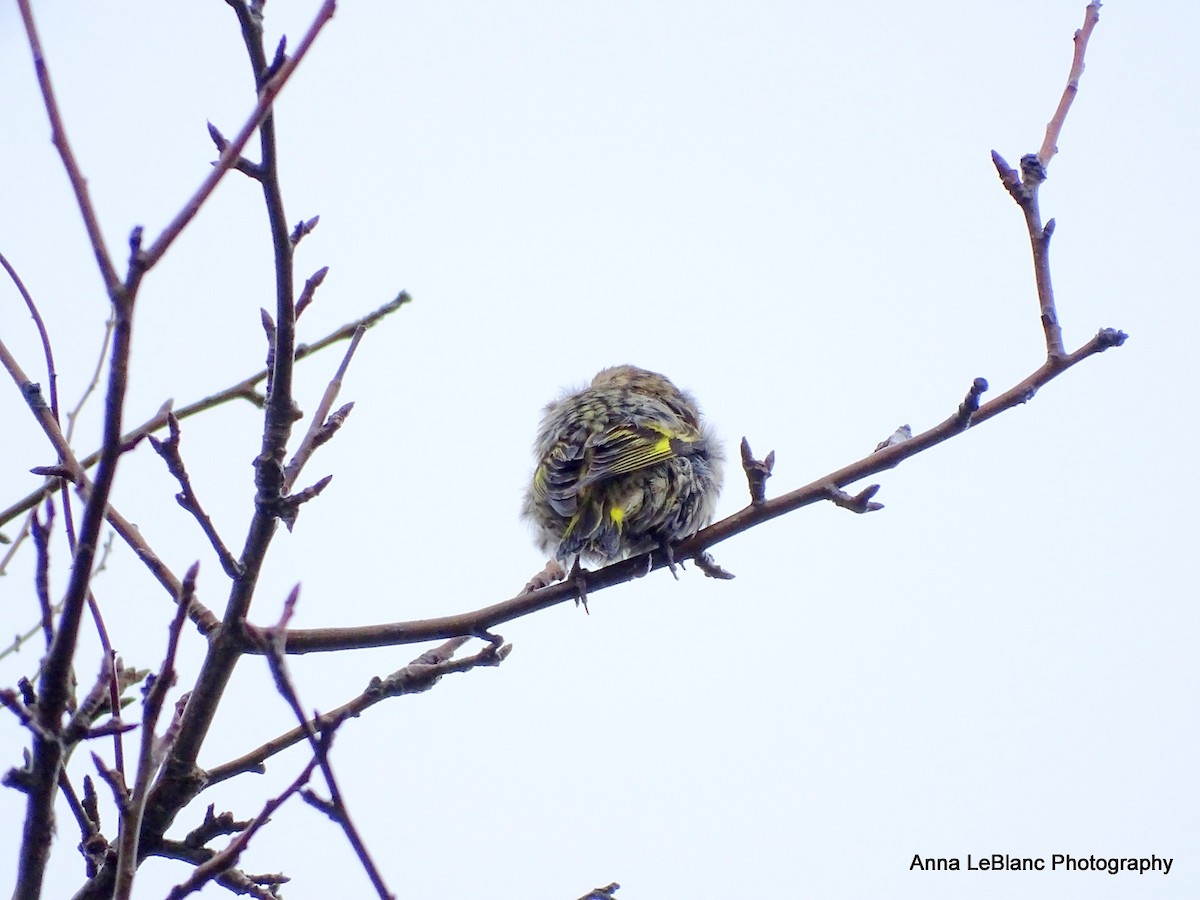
(418, 676)
(244, 389)
(1050, 144)
(310, 289)
(41, 581)
(43, 335)
(181, 778)
(757, 471)
(480, 621)
(150, 750)
(335, 807)
(128, 532)
(226, 859)
(54, 683)
(323, 426)
(267, 93)
(169, 451)
(1024, 190)
(58, 136)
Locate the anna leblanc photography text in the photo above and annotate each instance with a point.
(1058, 862)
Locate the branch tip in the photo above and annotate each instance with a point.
(304, 227)
(970, 403)
(757, 472)
(280, 58)
(218, 139)
(858, 503)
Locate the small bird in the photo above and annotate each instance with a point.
(623, 466)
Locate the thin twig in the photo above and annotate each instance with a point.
(321, 429)
(150, 752)
(41, 580)
(418, 676)
(54, 686)
(1024, 188)
(177, 784)
(1050, 144)
(73, 415)
(244, 389)
(235, 881)
(14, 544)
(43, 335)
(228, 857)
(58, 136)
(229, 157)
(169, 451)
(336, 807)
(310, 290)
(128, 532)
(54, 683)
(25, 715)
(757, 471)
(133, 536)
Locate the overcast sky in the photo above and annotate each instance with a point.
(789, 209)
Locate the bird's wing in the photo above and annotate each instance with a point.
(629, 447)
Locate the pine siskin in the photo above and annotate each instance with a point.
(624, 466)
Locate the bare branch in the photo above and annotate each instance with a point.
(260, 887)
(1050, 144)
(41, 541)
(214, 826)
(757, 471)
(181, 777)
(243, 389)
(418, 676)
(58, 137)
(15, 545)
(1024, 189)
(150, 751)
(128, 532)
(169, 451)
(43, 335)
(103, 698)
(303, 228)
(310, 289)
(320, 429)
(242, 164)
(226, 859)
(271, 641)
(233, 149)
(53, 690)
(315, 640)
(10, 700)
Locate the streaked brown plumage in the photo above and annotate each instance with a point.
(624, 465)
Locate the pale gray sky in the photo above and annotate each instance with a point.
(789, 208)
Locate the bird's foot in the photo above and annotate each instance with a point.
(580, 582)
(551, 573)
